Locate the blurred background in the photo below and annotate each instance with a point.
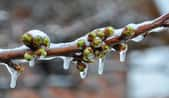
(145, 74)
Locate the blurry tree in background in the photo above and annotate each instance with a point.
(65, 20)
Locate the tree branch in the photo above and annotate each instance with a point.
(69, 48)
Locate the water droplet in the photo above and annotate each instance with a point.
(101, 66)
(66, 62)
(83, 74)
(138, 38)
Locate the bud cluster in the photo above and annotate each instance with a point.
(37, 41)
(96, 48)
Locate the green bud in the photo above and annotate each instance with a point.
(100, 34)
(91, 36)
(26, 39)
(105, 48)
(81, 66)
(42, 52)
(108, 31)
(97, 42)
(88, 54)
(100, 54)
(46, 41)
(37, 41)
(128, 31)
(28, 56)
(81, 43)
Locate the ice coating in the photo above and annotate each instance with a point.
(100, 66)
(138, 38)
(13, 74)
(66, 62)
(83, 74)
(36, 33)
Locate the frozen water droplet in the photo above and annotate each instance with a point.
(101, 66)
(14, 75)
(32, 62)
(83, 74)
(138, 38)
(123, 54)
(66, 62)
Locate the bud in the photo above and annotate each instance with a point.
(100, 34)
(97, 42)
(46, 42)
(42, 52)
(28, 56)
(128, 32)
(37, 41)
(81, 66)
(26, 39)
(91, 36)
(81, 43)
(19, 68)
(108, 31)
(105, 48)
(88, 55)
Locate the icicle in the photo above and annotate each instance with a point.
(83, 74)
(14, 75)
(66, 62)
(101, 66)
(123, 54)
(32, 62)
(138, 38)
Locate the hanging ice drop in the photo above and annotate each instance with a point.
(101, 66)
(123, 54)
(32, 62)
(66, 62)
(14, 75)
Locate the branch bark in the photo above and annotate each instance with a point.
(161, 21)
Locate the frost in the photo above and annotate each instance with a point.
(13, 73)
(83, 74)
(123, 54)
(66, 62)
(101, 66)
(138, 38)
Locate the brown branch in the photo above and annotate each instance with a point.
(69, 50)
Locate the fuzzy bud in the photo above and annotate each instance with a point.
(42, 52)
(46, 41)
(88, 54)
(81, 43)
(81, 66)
(128, 32)
(100, 34)
(91, 36)
(108, 31)
(97, 42)
(28, 56)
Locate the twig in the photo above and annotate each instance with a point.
(14, 53)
